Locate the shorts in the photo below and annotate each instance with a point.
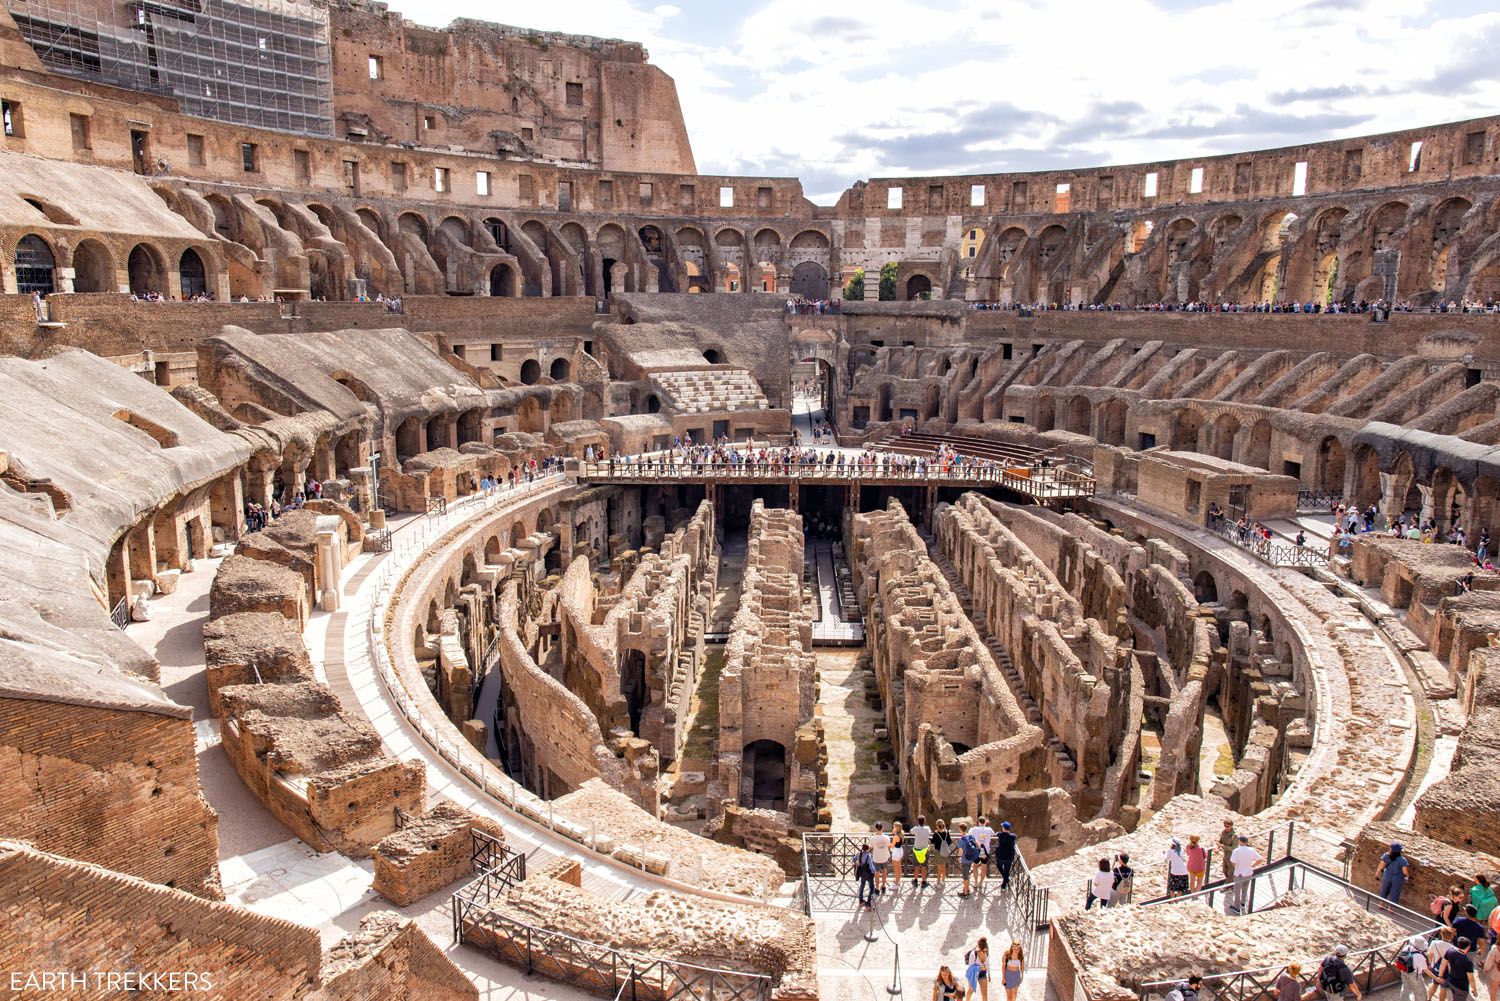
(964, 865)
(883, 866)
(1177, 884)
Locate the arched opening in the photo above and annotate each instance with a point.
(1185, 431)
(1268, 284)
(346, 454)
(1331, 465)
(713, 357)
(1205, 589)
(653, 404)
(503, 280)
(919, 287)
(408, 438)
(93, 268)
(531, 371)
(1366, 476)
(1226, 426)
(763, 775)
(1112, 422)
(191, 274)
(147, 273)
(517, 535)
(34, 266)
(471, 426)
(1076, 415)
(810, 281)
(1258, 448)
(633, 688)
(651, 239)
(560, 370)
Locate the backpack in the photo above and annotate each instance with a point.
(970, 848)
(864, 864)
(1404, 959)
(1331, 976)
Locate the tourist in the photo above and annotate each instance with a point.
(1101, 887)
(1393, 872)
(898, 852)
(968, 854)
(1003, 851)
(921, 847)
(1177, 872)
(943, 850)
(1447, 909)
(1289, 983)
(1437, 951)
(864, 872)
(1467, 926)
(977, 968)
(1457, 971)
(946, 988)
(1491, 969)
(982, 833)
(880, 852)
(1411, 961)
(1186, 990)
(1334, 975)
(1228, 841)
(1013, 969)
(1124, 880)
(1482, 896)
(1244, 859)
(1197, 862)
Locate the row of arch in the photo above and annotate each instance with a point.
(94, 270)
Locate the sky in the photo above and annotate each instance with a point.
(837, 92)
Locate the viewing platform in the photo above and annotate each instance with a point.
(1042, 484)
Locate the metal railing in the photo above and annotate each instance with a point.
(120, 614)
(1320, 501)
(489, 855)
(378, 541)
(1278, 554)
(1051, 482)
(591, 966)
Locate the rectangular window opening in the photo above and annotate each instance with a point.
(302, 160)
(482, 183)
(249, 157)
(377, 69)
(646, 192)
(976, 195)
(351, 176)
(726, 197)
(195, 150)
(565, 196)
(574, 95)
(10, 117)
(1414, 157)
(440, 179)
(1299, 178)
(1148, 189)
(80, 126)
(398, 176)
(1195, 181)
(1064, 197)
(893, 198)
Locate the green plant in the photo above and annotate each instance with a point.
(856, 287)
(888, 282)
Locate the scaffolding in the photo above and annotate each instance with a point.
(264, 63)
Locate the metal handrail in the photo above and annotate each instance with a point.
(1279, 554)
(584, 963)
(1051, 482)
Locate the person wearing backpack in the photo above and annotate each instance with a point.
(1411, 962)
(864, 871)
(1335, 977)
(968, 854)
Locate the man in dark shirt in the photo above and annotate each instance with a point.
(1456, 971)
(1467, 926)
(1003, 851)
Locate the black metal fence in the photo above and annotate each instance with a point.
(591, 966)
(378, 541)
(1320, 501)
(120, 614)
(1280, 554)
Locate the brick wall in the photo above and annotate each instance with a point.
(118, 789)
(81, 917)
(1434, 865)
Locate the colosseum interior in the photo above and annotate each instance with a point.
(427, 574)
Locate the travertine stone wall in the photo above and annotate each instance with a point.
(1434, 865)
(767, 688)
(1460, 808)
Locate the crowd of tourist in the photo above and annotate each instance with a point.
(800, 306)
(747, 458)
(258, 515)
(1313, 307)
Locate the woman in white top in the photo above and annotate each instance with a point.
(1102, 887)
(1177, 870)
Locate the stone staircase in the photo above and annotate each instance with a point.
(712, 390)
(1066, 765)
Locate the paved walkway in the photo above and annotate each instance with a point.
(830, 626)
(857, 784)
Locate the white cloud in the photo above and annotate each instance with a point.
(833, 92)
